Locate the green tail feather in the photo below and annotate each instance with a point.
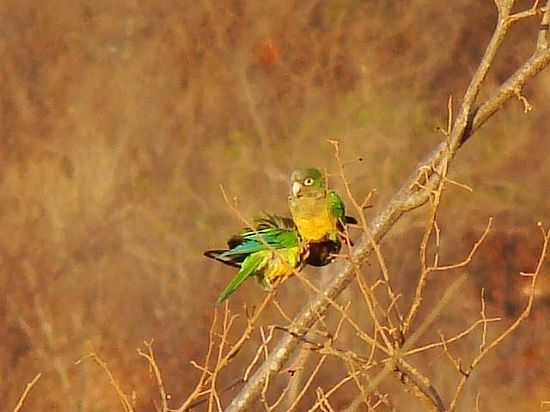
(248, 267)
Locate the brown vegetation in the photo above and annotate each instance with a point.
(118, 123)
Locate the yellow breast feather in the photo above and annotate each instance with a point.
(313, 219)
(315, 227)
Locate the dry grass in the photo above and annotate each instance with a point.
(118, 123)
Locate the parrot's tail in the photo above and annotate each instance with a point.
(350, 220)
(340, 225)
(248, 268)
(218, 254)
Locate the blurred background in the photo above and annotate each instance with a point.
(119, 121)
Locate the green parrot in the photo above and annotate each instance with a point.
(269, 252)
(319, 214)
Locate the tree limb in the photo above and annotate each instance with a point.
(412, 194)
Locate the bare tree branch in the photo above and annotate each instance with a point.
(414, 193)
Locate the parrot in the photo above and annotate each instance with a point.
(318, 213)
(276, 247)
(270, 252)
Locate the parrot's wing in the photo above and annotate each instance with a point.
(262, 239)
(219, 255)
(337, 208)
(268, 220)
(335, 205)
(250, 265)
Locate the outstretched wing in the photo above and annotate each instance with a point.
(268, 220)
(218, 254)
(264, 239)
(248, 268)
(270, 232)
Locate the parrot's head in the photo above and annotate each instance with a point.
(307, 183)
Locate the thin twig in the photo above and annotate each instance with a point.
(156, 371)
(26, 393)
(123, 398)
(523, 315)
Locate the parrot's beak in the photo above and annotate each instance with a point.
(296, 188)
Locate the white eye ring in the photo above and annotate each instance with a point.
(308, 181)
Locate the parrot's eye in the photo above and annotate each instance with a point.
(308, 181)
